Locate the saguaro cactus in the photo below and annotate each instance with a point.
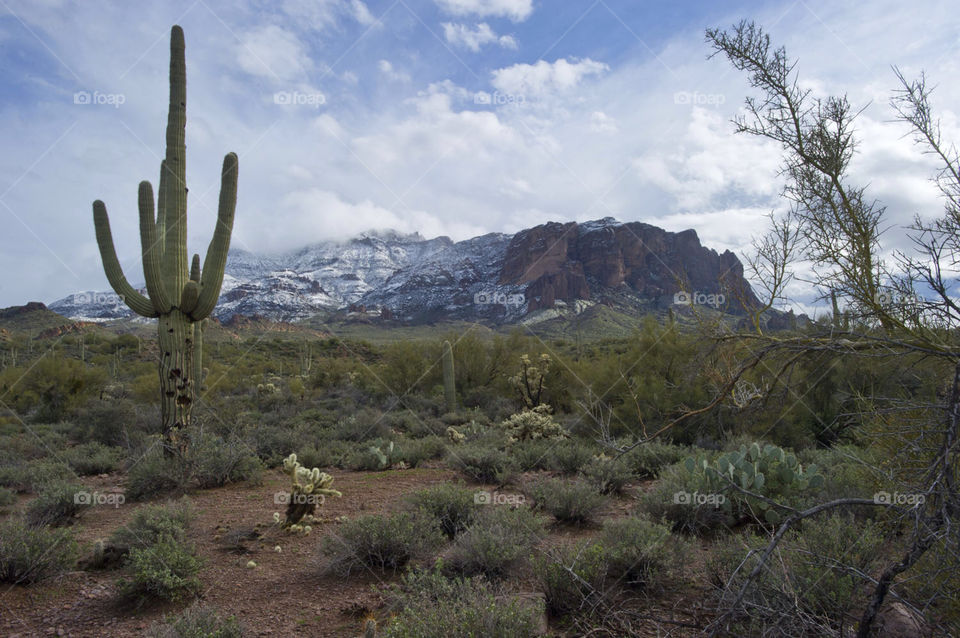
(178, 297)
(449, 387)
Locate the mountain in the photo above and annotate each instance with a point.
(494, 278)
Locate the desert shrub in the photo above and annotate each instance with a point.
(7, 498)
(498, 539)
(166, 569)
(432, 606)
(273, 443)
(373, 456)
(632, 553)
(646, 461)
(532, 455)
(325, 454)
(810, 586)
(571, 501)
(93, 458)
(569, 457)
(196, 621)
(608, 476)
(215, 462)
(414, 452)
(33, 475)
(107, 422)
(380, 542)
(679, 498)
(365, 425)
(57, 504)
(533, 425)
(150, 523)
(29, 554)
(481, 463)
(453, 506)
(155, 474)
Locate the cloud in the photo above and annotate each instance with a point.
(544, 77)
(516, 10)
(386, 68)
(273, 52)
(460, 35)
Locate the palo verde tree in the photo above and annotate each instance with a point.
(179, 295)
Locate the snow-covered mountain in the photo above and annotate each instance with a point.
(495, 277)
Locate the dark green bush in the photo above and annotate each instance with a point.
(570, 501)
(107, 422)
(481, 463)
(93, 458)
(29, 554)
(215, 462)
(453, 506)
(570, 456)
(33, 475)
(496, 541)
(196, 621)
(532, 455)
(573, 580)
(155, 474)
(7, 498)
(325, 454)
(608, 476)
(380, 542)
(646, 461)
(150, 523)
(57, 504)
(686, 516)
(432, 606)
(165, 570)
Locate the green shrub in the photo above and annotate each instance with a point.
(373, 456)
(573, 580)
(325, 454)
(57, 504)
(94, 458)
(107, 422)
(33, 475)
(150, 523)
(166, 569)
(497, 540)
(680, 498)
(432, 606)
(215, 462)
(532, 455)
(481, 463)
(381, 542)
(646, 460)
(415, 452)
(453, 506)
(196, 621)
(569, 501)
(154, 475)
(569, 457)
(7, 498)
(608, 476)
(29, 554)
(811, 586)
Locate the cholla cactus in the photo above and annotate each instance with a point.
(534, 424)
(455, 435)
(370, 627)
(529, 381)
(309, 488)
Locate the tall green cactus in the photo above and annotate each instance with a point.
(449, 387)
(178, 297)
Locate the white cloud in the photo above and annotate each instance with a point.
(386, 68)
(273, 52)
(544, 77)
(322, 14)
(461, 35)
(516, 10)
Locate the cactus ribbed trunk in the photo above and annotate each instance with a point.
(449, 385)
(181, 300)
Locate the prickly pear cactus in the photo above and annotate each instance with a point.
(308, 488)
(769, 471)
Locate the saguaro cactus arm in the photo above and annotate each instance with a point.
(211, 277)
(175, 198)
(111, 265)
(152, 251)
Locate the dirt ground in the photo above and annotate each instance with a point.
(286, 594)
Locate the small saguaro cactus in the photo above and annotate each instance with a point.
(179, 294)
(449, 386)
(307, 490)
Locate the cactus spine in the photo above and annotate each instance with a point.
(449, 387)
(179, 298)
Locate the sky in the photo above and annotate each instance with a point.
(443, 117)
